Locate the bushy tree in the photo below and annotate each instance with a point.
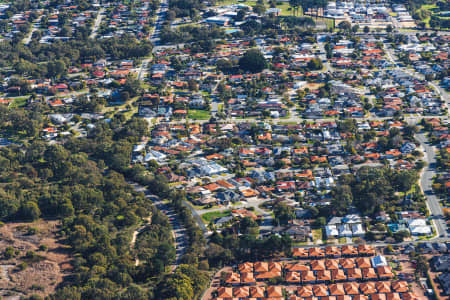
(253, 61)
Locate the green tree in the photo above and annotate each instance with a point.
(253, 61)
(176, 286)
(30, 211)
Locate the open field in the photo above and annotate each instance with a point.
(32, 269)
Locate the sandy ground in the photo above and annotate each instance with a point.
(42, 275)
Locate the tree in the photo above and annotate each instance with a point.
(389, 28)
(405, 180)
(175, 286)
(355, 28)
(345, 26)
(283, 213)
(30, 211)
(366, 29)
(342, 198)
(295, 4)
(315, 64)
(253, 61)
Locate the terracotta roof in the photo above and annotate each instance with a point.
(363, 262)
(369, 273)
(308, 276)
(383, 286)
(338, 275)
(267, 275)
(354, 273)
(385, 272)
(318, 265)
(292, 277)
(393, 296)
(300, 252)
(332, 251)
(274, 291)
(246, 267)
(409, 296)
(297, 267)
(347, 263)
(368, 288)
(344, 297)
(233, 278)
(337, 289)
(366, 249)
(225, 292)
(305, 291)
(320, 290)
(261, 267)
(247, 277)
(257, 291)
(351, 288)
(241, 292)
(378, 297)
(323, 275)
(400, 286)
(349, 250)
(275, 267)
(360, 297)
(332, 264)
(316, 252)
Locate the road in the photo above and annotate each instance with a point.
(160, 18)
(178, 231)
(97, 23)
(426, 181)
(154, 37)
(143, 69)
(35, 27)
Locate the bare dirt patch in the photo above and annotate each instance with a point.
(41, 269)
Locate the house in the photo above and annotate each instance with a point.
(299, 233)
(444, 280)
(419, 227)
(441, 263)
(379, 261)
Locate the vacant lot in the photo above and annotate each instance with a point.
(32, 259)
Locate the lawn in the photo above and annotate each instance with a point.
(198, 114)
(317, 234)
(208, 217)
(19, 102)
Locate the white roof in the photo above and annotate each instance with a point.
(421, 230)
(379, 261)
(357, 229)
(331, 230)
(416, 222)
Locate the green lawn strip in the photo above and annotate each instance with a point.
(208, 217)
(197, 114)
(19, 102)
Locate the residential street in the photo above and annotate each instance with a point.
(426, 182)
(179, 232)
(35, 26)
(97, 23)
